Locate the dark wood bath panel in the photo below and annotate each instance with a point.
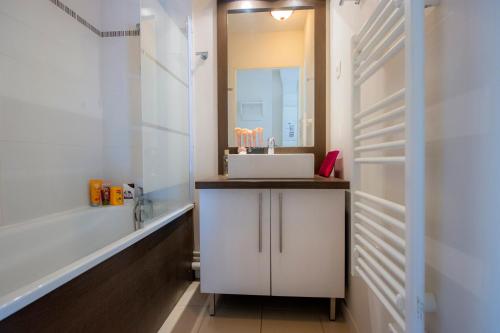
(133, 291)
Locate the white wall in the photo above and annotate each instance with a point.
(204, 94)
(69, 104)
(463, 131)
(121, 93)
(50, 108)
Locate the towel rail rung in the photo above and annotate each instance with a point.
(396, 239)
(381, 62)
(383, 131)
(400, 274)
(383, 299)
(370, 54)
(373, 26)
(395, 254)
(383, 216)
(381, 118)
(382, 286)
(391, 281)
(380, 160)
(381, 146)
(398, 95)
(376, 12)
(398, 208)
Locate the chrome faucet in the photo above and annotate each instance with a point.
(271, 143)
(142, 209)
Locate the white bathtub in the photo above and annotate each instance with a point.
(39, 256)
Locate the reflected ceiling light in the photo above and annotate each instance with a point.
(147, 12)
(281, 15)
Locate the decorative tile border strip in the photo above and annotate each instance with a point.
(73, 14)
(121, 33)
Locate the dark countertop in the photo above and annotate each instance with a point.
(222, 182)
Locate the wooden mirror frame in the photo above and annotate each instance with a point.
(225, 7)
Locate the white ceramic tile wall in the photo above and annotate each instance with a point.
(121, 93)
(50, 108)
(463, 131)
(119, 14)
(71, 103)
(204, 95)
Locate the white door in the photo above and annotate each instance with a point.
(308, 243)
(235, 241)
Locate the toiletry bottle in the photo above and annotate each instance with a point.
(105, 194)
(128, 192)
(116, 196)
(95, 186)
(226, 162)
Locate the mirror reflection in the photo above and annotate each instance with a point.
(271, 78)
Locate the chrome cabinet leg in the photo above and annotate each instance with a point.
(333, 303)
(211, 304)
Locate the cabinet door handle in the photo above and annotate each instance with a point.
(260, 222)
(281, 221)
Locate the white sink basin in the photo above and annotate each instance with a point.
(271, 166)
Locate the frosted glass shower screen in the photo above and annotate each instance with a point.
(165, 102)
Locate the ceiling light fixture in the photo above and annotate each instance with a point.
(281, 15)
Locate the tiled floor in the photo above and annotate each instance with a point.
(250, 314)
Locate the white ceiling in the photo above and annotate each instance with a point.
(264, 22)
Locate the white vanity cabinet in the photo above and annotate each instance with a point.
(235, 241)
(273, 237)
(307, 242)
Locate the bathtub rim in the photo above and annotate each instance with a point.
(19, 298)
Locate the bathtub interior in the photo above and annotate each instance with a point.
(32, 250)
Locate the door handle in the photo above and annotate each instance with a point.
(260, 222)
(281, 221)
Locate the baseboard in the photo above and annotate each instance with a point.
(353, 327)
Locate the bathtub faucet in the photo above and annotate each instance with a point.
(142, 209)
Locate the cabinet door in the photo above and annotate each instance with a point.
(308, 243)
(235, 241)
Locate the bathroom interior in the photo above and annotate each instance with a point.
(198, 166)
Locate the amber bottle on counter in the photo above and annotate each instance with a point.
(116, 195)
(95, 186)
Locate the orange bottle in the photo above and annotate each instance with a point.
(116, 196)
(95, 186)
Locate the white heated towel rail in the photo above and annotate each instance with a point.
(388, 247)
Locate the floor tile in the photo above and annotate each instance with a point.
(338, 326)
(244, 318)
(290, 321)
(190, 320)
(253, 314)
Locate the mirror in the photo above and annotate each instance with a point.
(271, 78)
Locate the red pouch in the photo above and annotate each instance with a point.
(328, 163)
